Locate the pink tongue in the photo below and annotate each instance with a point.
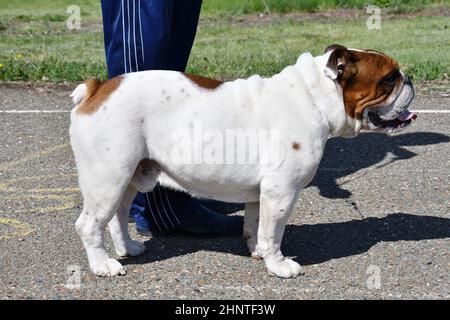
(406, 115)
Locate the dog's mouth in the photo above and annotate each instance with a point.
(376, 123)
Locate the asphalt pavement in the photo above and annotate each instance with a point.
(374, 223)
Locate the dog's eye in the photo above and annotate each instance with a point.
(391, 78)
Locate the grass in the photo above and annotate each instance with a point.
(32, 9)
(420, 44)
(91, 8)
(36, 45)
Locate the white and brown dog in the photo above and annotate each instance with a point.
(122, 134)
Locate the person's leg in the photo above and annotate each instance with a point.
(148, 35)
(169, 208)
(185, 17)
(138, 36)
(112, 15)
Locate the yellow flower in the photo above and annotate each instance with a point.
(19, 56)
(1, 65)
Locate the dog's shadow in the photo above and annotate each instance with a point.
(317, 243)
(310, 244)
(343, 157)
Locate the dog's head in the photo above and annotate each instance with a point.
(376, 92)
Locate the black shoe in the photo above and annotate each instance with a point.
(221, 207)
(206, 222)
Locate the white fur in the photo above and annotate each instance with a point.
(79, 93)
(138, 120)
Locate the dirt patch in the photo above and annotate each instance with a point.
(326, 16)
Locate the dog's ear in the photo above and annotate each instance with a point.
(339, 62)
(335, 47)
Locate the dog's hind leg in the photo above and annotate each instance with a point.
(144, 179)
(103, 189)
(118, 227)
(251, 220)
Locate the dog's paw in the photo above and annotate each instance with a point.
(284, 269)
(255, 255)
(131, 248)
(108, 268)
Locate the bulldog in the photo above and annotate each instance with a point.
(135, 130)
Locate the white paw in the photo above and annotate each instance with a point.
(108, 268)
(131, 248)
(284, 269)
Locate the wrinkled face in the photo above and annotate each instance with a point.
(376, 93)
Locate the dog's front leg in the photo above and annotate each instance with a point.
(276, 204)
(251, 220)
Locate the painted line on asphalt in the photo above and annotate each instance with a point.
(39, 154)
(20, 229)
(431, 111)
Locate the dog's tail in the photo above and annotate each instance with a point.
(79, 93)
(85, 90)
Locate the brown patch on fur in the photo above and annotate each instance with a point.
(296, 146)
(361, 76)
(97, 92)
(203, 82)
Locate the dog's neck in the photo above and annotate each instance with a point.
(326, 93)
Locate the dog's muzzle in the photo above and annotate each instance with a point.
(395, 116)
